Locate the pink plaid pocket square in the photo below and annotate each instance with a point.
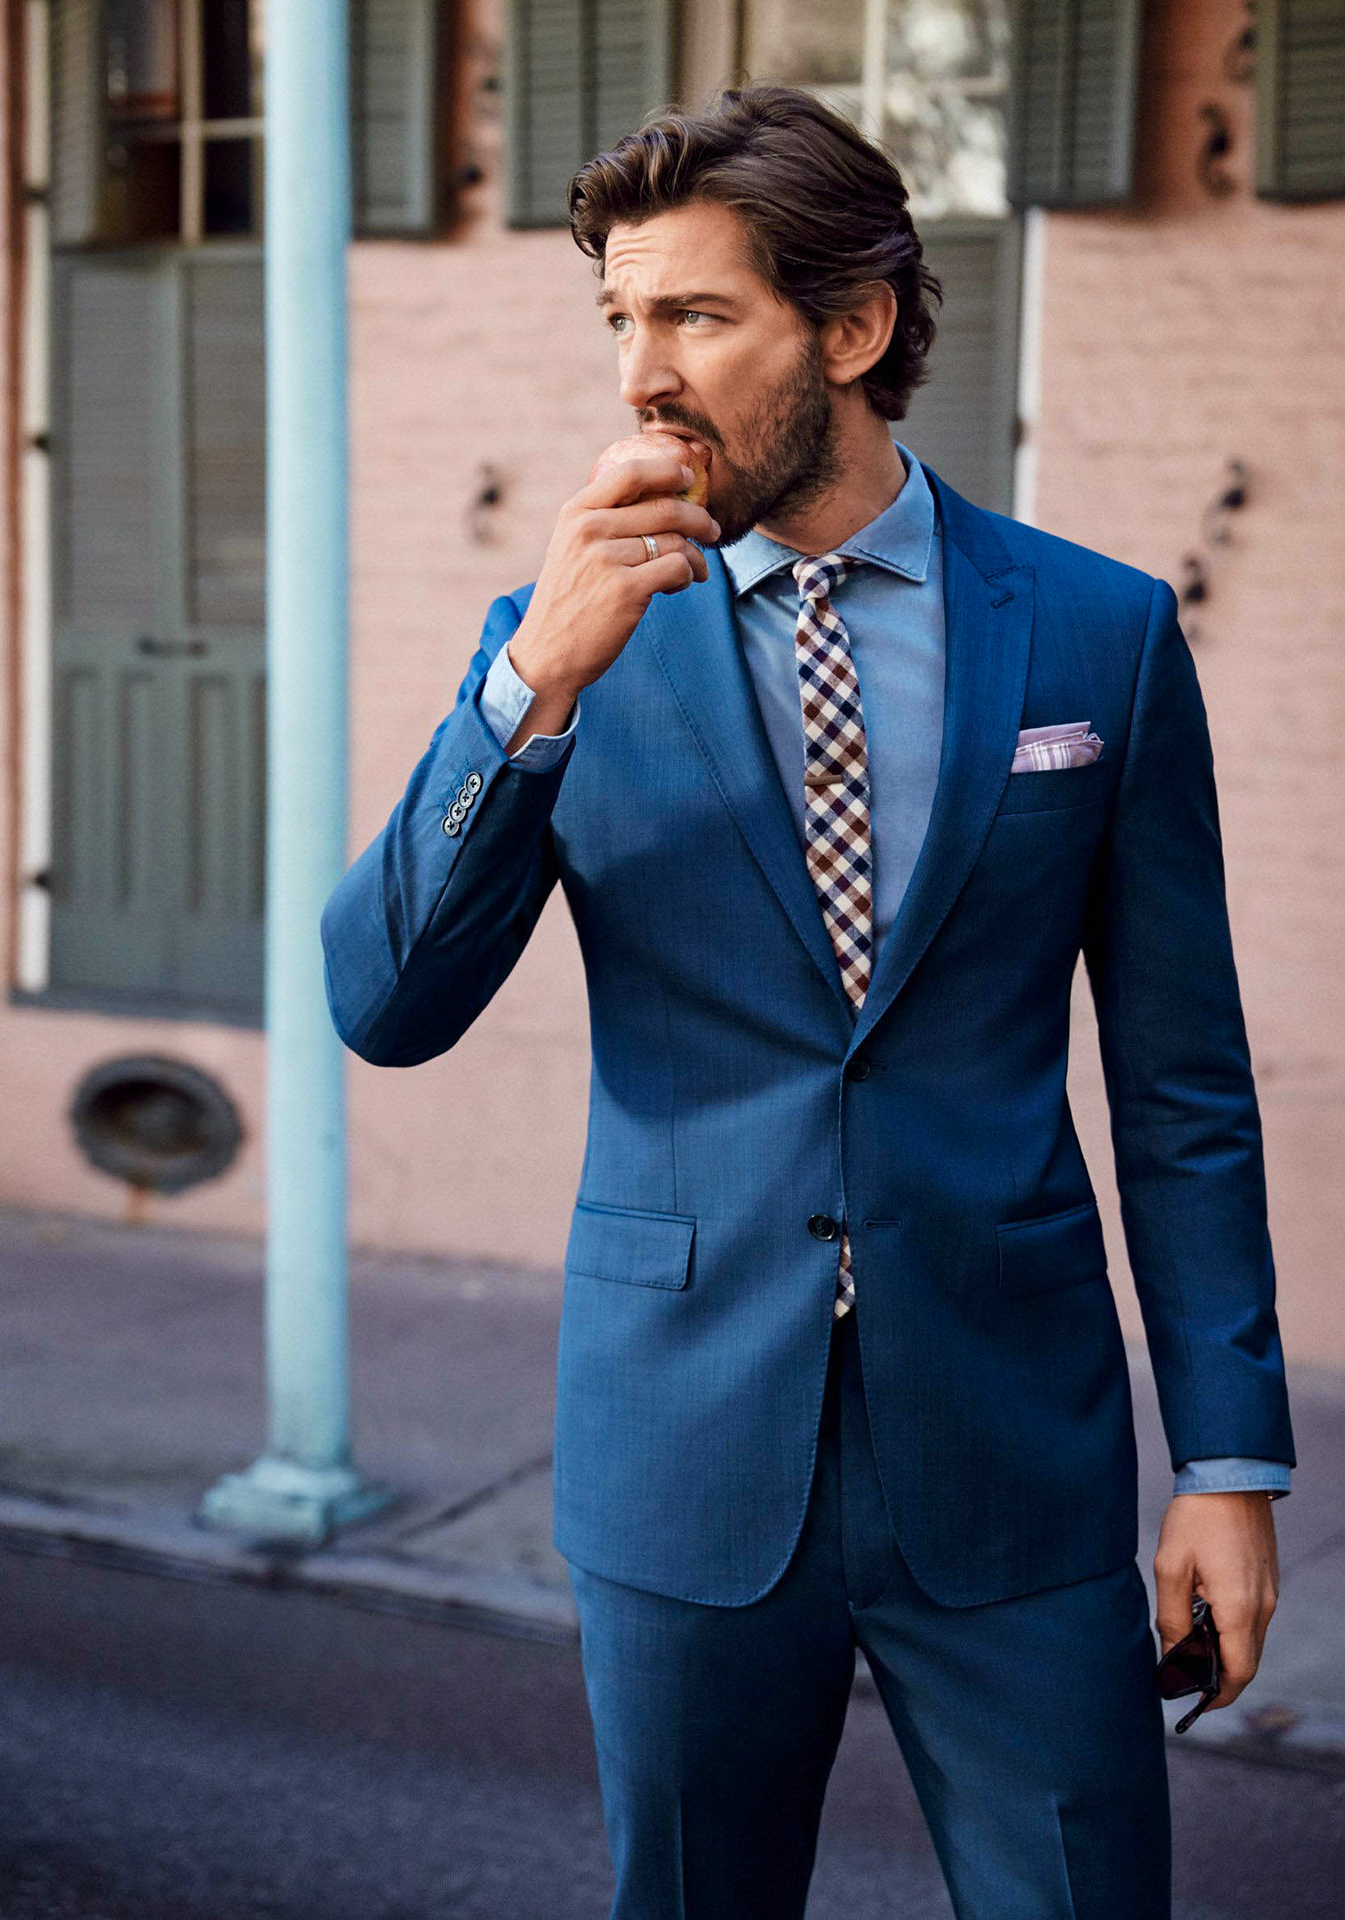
(1041, 748)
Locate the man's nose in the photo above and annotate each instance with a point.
(646, 374)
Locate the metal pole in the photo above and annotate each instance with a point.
(304, 1486)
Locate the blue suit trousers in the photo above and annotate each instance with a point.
(1030, 1726)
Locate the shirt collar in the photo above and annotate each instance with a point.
(899, 539)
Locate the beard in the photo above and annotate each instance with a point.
(793, 432)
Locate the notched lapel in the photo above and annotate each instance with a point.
(694, 636)
(988, 628)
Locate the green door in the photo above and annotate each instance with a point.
(158, 467)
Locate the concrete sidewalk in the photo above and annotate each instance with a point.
(131, 1379)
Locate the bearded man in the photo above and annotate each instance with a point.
(840, 774)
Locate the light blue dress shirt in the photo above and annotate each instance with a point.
(892, 607)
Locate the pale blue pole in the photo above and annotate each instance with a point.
(304, 1485)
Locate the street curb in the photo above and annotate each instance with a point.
(504, 1602)
(491, 1600)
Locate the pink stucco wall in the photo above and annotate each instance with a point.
(1178, 334)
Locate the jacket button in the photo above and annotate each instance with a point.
(473, 783)
(452, 826)
(822, 1227)
(859, 1068)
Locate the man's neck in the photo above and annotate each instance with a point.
(873, 478)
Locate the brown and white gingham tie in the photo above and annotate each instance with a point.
(836, 782)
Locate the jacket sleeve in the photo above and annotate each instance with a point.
(427, 924)
(1185, 1126)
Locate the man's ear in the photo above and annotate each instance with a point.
(853, 342)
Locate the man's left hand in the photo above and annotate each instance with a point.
(1222, 1546)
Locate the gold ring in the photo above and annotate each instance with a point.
(651, 545)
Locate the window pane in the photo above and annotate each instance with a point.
(143, 63)
(229, 186)
(943, 102)
(943, 80)
(227, 60)
(144, 189)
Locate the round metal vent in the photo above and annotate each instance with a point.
(155, 1122)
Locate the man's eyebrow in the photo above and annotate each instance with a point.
(671, 302)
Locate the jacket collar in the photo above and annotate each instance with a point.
(899, 540)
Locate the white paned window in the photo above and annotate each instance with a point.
(927, 78)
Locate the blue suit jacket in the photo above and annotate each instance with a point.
(734, 1096)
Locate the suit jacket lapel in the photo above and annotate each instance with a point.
(988, 626)
(694, 635)
(988, 629)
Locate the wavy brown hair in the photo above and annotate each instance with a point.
(824, 210)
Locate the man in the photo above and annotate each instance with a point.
(850, 790)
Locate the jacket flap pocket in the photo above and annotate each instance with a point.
(619, 1243)
(1057, 1250)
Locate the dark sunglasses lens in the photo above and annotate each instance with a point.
(1189, 1668)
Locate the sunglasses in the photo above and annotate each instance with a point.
(1192, 1666)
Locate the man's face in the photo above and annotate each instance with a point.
(705, 346)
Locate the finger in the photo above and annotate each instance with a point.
(1239, 1657)
(670, 574)
(1173, 1612)
(658, 515)
(634, 553)
(629, 480)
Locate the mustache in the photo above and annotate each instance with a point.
(699, 428)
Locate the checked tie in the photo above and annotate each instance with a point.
(836, 783)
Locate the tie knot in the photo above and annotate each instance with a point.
(818, 578)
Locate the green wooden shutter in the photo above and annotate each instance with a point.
(1300, 99)
(220, 692)
(581, 73)
(1073, 97)
(962, 421)
(112, 325)
(78, 135)
(395, 93)
(158, 748)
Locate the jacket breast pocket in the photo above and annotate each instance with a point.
(1055, 787)
(626, 1244)
(1054, 1251)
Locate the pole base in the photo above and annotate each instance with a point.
(276, 1499)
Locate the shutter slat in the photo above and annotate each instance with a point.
(225, 443)
(961, 421)
(1072, 118)
(394, 104)
(77, 120)
(581, 74)
(105, 522)
(1300, 100)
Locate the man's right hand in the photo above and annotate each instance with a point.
(597, 580)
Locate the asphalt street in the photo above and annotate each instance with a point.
(180, 1750)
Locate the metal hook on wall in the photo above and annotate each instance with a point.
(1214, 525)
(1240, 54)
(1214, 148)
(1194, 587)
(489, 493)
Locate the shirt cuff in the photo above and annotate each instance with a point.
(1233, 1474)
(505, 699)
